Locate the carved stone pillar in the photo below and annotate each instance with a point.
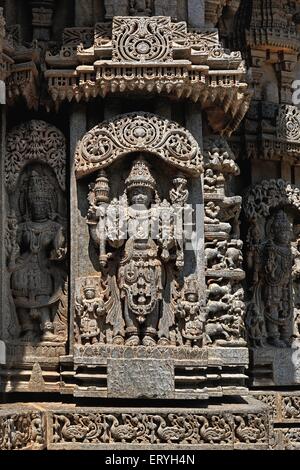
(77, 129)
(2, 201)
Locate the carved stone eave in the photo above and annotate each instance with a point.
(214, 10)
(194, 66)
(273, 39)
(278, 136)
(23, 82)
(18, 69)
(264, 147)
(6, 63)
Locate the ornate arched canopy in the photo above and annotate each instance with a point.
(138, 132)
(34, 141)
(260, 199)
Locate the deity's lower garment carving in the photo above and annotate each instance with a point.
(140, 287)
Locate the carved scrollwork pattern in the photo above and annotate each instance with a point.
(142, 40)
(288, 123)
(170, 428)
(34, 141)
(260, 199)
(290, 407)
(20, 431)
(137, 132)
(251, 428)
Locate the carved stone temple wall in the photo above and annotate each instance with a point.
(150, 224)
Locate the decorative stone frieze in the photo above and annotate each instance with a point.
(151, 55)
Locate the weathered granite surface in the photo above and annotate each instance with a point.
(150, 219)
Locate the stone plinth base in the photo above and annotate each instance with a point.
(155, 372)
(241, 424)
(110, 371)
(275, 366)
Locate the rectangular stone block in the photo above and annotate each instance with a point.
(140, 378)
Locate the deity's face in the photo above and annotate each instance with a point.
(192, 297)
(90, 294)
(38, 209)
(283, 236)
(140, 195)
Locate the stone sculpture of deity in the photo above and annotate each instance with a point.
(38, 247)
(270, 313)
(191, 317)
(276, 270)
(91, 311)
(141, 254)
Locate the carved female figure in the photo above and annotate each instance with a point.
(36, 279)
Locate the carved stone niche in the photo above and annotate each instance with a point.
(34, 309)
(140, 315)
(272, 209)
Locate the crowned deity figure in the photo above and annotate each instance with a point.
(140, 269)
(90, 309)
(137, 244)
(276, 281)
(191, 317)
(38, 247)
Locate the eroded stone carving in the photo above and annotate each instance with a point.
(34, 141)
(170, 428)
(150, 246)
(37, 249)
(191, 316)
(36, 235)
(21, 431)
(223, 249)
(270, 262)
(98, 318)
(140, 8)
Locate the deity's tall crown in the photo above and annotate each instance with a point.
(281, 222)
(140, 175)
